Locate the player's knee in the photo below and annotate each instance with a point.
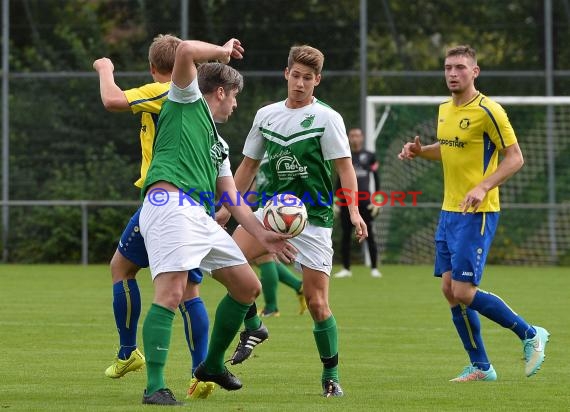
(447, 292)
(171, 299)
(192, 291)
(462, 295)
(247, 292)
(317, 306)
(121, 268)
(256, 289)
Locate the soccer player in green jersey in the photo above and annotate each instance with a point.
(131, 254)
(175, 221)
(303, 138)
(471, 132)
(271, 270)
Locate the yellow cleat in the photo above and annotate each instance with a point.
(302, 301)
(199, 389)
(121, 367)
(268, 313)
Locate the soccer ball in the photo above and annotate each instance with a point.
(285, 213)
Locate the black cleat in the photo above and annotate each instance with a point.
(248, 340)
(331, 388)
(225, 379)
(161, 397)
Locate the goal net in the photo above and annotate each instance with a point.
(535, 219)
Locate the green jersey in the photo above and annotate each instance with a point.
(187, 151)
(300, 145)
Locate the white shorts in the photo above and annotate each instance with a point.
(314, 246)
(180, 238)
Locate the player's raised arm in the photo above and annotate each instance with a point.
(112, 95)
(190, 52)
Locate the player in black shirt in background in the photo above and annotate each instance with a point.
(365, 164)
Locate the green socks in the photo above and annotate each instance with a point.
(157, 329)
(229, 317)
(326, 337)
(269, 282)
(288, 278)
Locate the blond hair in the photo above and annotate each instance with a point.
(307, 56)
(162, 52)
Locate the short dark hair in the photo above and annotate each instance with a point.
(214, 75)
(462, 50)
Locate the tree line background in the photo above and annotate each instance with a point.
(64, 145)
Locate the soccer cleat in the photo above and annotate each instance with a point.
(331, 388)
(248, 340)
(344, 273)
(225, 379)
(302, 301)
(473, 373)
(269, 313)
(121, 367)
(199, 389)
(533, 350)
(375, 273)
(161, 397)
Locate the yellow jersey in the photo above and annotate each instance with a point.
(147, 99)
(470, 138)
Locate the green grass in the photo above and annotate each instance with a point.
(398, 347)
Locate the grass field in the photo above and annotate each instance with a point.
(398, 347)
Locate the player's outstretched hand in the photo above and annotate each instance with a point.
(235, 49)
(411, 149)
(277, 243)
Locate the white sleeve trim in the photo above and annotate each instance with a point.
(189, 94)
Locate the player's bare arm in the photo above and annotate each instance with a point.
(245, 173)
(223, 214)
(112, 96)
(243, 178)
(347, 177)
(190, 52)
(274, 242)
(416, 149)
(512, 162)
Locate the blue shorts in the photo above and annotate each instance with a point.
(131, 246)
(462, 243)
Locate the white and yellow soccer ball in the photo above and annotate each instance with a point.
(285, 213)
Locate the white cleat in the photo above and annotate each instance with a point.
(344, 273)
(376, 273)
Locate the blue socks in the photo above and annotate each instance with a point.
(468, 327)
(127, 310)
(492, 307)
(196, 325)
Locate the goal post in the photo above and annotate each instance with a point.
(535, 225)
(374, 125)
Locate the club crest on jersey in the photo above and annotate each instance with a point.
(464, 123)
(308, 121)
